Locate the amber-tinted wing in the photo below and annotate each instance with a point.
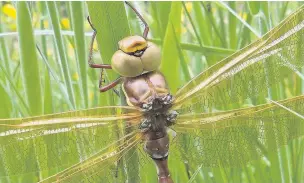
(101, 166)
(233, 138)
(74, 143)
(250, 72)
(211, 138)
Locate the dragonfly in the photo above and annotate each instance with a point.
(118, 143)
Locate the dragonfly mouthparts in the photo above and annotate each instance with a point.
(138, 53)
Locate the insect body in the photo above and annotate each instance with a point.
(137, 61)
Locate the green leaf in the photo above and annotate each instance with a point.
(170, 66)
(232, 27)
(5, 104)
(65, 71)
(254, 7)
(28, 60)
(77, 14)
(160, 11)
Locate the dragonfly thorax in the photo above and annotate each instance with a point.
(147, 91)
(150, 92)
(135, 56)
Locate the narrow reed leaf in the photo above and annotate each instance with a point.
(23, 108)
(202, 24)
(77, 16)
(232, 27)
(5, 104)
(205, 50)
(62, 87)
(183, 62)
(160, 11)
(212, 21)
(4, 56)
(28, 59)
(48, 99)
(192, 25)
(240, 19)
(170, 66)
(254, 7)
(60, 48)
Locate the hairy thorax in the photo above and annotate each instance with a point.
(145, 88)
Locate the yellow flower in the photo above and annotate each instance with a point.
(46, 24)
(189, 6)
(65, 23)
(244, 16)
(75, 76)
(9, 10)
(91, 95)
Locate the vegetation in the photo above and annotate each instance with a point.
(43, 66)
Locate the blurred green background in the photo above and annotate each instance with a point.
(44, 50)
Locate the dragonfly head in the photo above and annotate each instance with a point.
(136, 56)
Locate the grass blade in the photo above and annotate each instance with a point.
(53, 12)
(28, 60)
(169, 52)
(77, 16)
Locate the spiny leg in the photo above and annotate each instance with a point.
(146, 31)
(102, 66)
(90, 59)
(101, 79)
(104, 88)
(171, 117)
(110, 85)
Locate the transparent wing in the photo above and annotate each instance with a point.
(101, 167)
(39, 147)
(121, 161)
(233, 138)
(250, 72)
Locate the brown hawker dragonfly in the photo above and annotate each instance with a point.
(118, 143)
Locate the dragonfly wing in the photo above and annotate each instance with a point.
(233, 138)
(102, 166)
(250, 72)
(41, 146)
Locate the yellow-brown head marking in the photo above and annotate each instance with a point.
(135, 56)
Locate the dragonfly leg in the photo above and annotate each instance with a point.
(109, 86)
(167, 99)
(171, 117)
(157, 102)
(147, 106)
(146, 31)
(145, 125)
(90, 59)
(101, 79)
(172, 133)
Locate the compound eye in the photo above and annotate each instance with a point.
(126, 65)
(151, 58)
